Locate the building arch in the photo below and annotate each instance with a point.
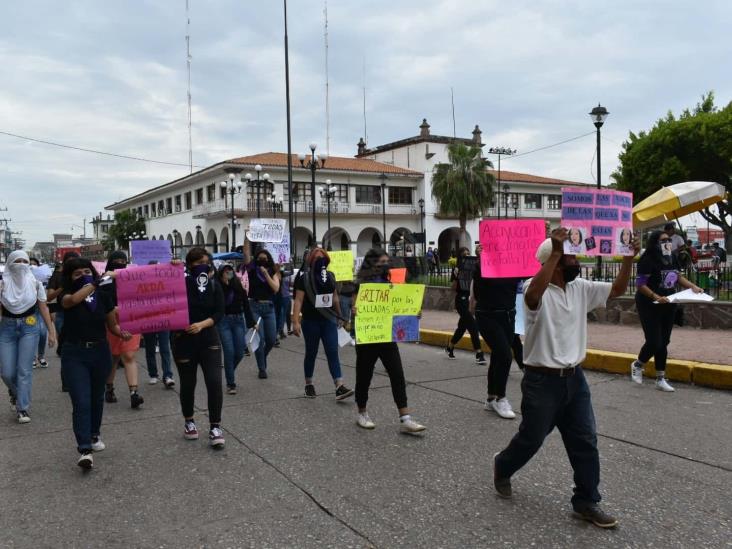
(199, 238)
(224, 240)
(212, 241)
(368, 238)
(402, 242)
(449, 241)
(302, 238)
(337, 239)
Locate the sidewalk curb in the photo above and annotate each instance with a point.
(717, 376)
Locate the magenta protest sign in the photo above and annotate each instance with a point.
(509, 247)
(152, 298)
(599, 221)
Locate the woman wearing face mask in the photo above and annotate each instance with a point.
(200, 345)
(21, 297)
(264, 283)
(232, 329)
(122, 349)
(466, 321)
(317, 299)
(658, 277)
(86, 360)
(375, 268)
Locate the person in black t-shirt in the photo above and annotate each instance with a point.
(86, 359)
(460, 278)
(658, 277)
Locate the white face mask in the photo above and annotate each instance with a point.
(666, 248)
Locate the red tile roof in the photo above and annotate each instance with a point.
(339, 163)
(528, 178)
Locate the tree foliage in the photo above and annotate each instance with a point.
(696, 146)
(463, 188)
(125, 223)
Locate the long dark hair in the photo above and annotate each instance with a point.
(652, 252)
(270, 261)
(234, 283)
(71, 265)
(195, 254)
(369, 268)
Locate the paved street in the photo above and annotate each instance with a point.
(299, 473)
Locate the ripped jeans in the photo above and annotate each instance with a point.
(190, 350)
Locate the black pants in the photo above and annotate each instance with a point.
(366, 357)
(657, 322)
(189, 351)
(466, 322)
(564, 402)
(517, 346)
(496, 327)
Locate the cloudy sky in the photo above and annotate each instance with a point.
(112, 76)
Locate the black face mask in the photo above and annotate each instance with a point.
(570, 272)
(263, 262)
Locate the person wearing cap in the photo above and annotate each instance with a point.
(555, 391)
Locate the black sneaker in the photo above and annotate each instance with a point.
(277, 342)
(310, 391)
(231, 389)
(480, 358)
(86, 461)
(169, 382)
(343, 392)
(109, 395)
(136, 400)
(502, 485)
(596, 516)
(450, 354)
(262, 374)
(246, 352)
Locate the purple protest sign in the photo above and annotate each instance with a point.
(152, 298)
(146, 251)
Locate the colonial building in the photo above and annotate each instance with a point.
(382, 192)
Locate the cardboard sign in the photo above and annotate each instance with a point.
(341, 265)
(398, 276)
(388, 312)
(152, 298)
(509, 247)
(93, 251)
(145, 251)
(267, 230)
(599, 221)
(466, 269)
(280, 250)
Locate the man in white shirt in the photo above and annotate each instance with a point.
(555, 391)
(677, 241)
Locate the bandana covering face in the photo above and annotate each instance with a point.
(323, 284)
(19, 291)
(91, 301)
(199, 273)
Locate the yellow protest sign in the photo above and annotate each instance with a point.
(388, 312)
(341, 265)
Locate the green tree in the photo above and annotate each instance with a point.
(463, 188)
(696, 146)
(125, 223)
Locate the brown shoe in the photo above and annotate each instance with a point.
(596, 516)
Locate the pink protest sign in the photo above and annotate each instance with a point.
(99, 266)
(152, 298)
(599, 221)
(509, 247)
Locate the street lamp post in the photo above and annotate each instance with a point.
(598, 115)
(501, 151)
(315, 163)
(328, 192)
(514, 203)
(421, 225)
(261, 179)
(506, 188)
(383, 212)
(232, 188)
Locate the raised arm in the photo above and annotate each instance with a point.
(539, 284)
(621, 281)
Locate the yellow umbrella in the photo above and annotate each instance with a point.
(676, 201)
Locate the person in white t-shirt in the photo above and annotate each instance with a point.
(555, 391)
(677, 241)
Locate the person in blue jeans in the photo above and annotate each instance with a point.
(283, 303)
(232, 327)
(264, 283)
(161, 340)
(86, 359)
(22, 297)
(316, 297)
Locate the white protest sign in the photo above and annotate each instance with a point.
(280, 250)
(267, 230)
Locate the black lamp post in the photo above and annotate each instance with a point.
(315, 163)
(421, 225)
(328, 192)
(506, 188)
(598, 115)
(514, 203)
(263, 179)
(501, 151)
(232, 187)
(383, 212)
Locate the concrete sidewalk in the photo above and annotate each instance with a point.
(712, 346)
(300, 473)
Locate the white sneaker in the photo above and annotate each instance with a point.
(662, 385)
(152, 381)
(86, 461)
(365, 422)
(502, 407)
(636, 372)
(97, 444)
(410, 426)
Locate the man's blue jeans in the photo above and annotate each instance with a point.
(18, 346)
(315, 330)
(232, 333)
(267, 330)
(161, 340)
(85, 371)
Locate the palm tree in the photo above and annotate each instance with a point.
(463, 188)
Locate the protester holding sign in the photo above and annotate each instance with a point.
(658, 277)
(317, 299)
(86, 359)
(461, 278)
(199, 344)
(375, 268)
(123, 350)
